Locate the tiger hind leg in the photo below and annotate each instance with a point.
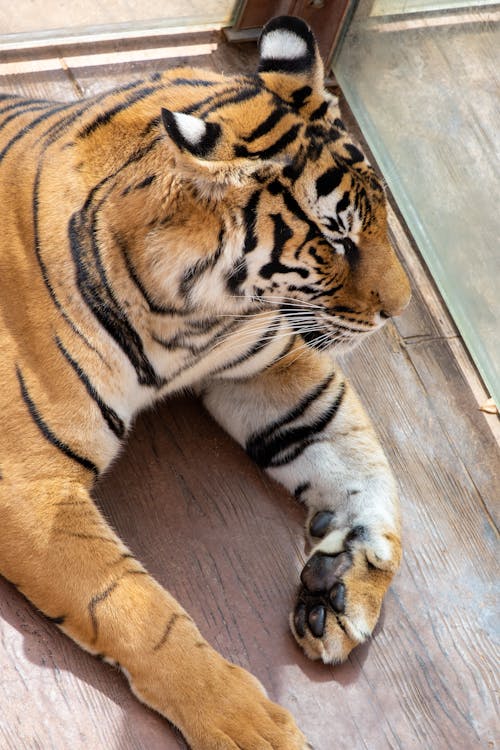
(62, 555)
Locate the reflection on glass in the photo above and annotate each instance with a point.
(425, 89)
(24, 16)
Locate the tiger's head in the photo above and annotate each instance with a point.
(302, 212)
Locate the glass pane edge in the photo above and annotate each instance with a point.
(389, 172)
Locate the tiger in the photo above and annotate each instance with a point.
(193, 230)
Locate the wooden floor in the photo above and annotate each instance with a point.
(228, 543)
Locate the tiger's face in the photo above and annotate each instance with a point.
(310, 210)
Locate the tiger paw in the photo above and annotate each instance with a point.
(217, 705)
(243, 717)
(343, 585)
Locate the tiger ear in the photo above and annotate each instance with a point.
(190, 134)
(204, 152)
(290, 63)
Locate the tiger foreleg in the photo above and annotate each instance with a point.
(303, 423)
(61, 553)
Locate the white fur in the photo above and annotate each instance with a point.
(282, 44)
(192, 128)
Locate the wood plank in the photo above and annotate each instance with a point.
(189, 49)
(54, 84)
(228, 543)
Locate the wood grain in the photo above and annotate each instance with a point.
(227, 542)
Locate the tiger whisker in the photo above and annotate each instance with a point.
(250, 336)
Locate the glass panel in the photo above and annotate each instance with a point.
(27, 18)
(425, 90)
(394, 7)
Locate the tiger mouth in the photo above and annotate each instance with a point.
(329, 338)
(328, 334)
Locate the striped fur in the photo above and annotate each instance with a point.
(189, 230)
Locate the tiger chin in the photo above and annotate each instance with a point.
(193, 230)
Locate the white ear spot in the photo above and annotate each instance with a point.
(192, 129)
(282, 44)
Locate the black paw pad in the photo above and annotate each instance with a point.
(320, 523)
(337, 598)
(322, 571)
(317, 620)
(299, 620)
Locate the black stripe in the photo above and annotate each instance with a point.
(97, 599)
(300, 96)
(294, 413)
(103, 118)
(329, 180)
(249, 216)
(140, 185)
(194, 273)
(175, 616)
(111, 418)
(343, 203)
(286, 446)
(327, 293)
(145, 182)
(319, 112)
(56, 620)
(285, 65)
(237, 275)
(191, 82)
(26, 103)
(179, 342)
(28, 128)
(20, 112)
(43, 267)
(295, 169)
(282, 233)
(95, 289)
(342, 309)
(153, 306)
(134, 157)
(48, 433)
(268, 124)
(288, 137)
(197, 106)
(354, 152)
(204, 325)
(318, 134)
(92, 280)
(265, 340)
(232, 95)
(275, 188)
(258, 438)
(286, 350)
(59, 127)
(170, 624)
(152, 124)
